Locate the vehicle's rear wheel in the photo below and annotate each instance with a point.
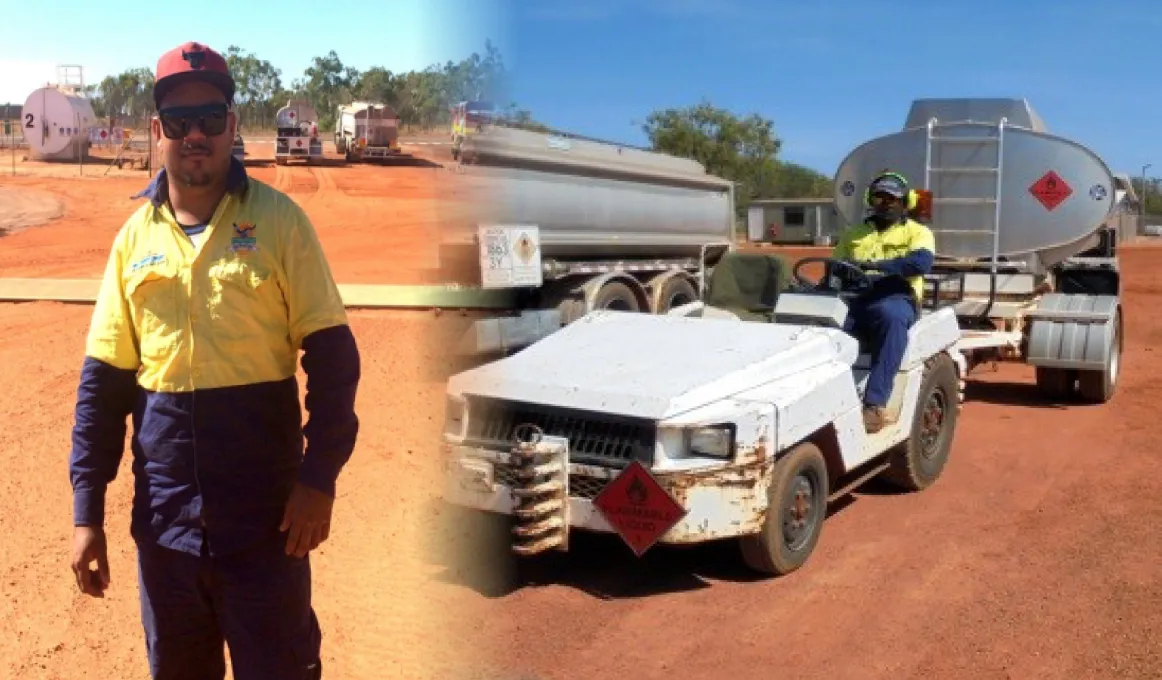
(796, 508)
(1099, 386)
(1054, 383)
(675, 292)
(616, 296)
(917, 463)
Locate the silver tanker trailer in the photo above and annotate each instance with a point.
(573, 225)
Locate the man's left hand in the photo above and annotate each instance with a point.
(308, 519)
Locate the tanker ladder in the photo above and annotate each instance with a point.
(540, 492)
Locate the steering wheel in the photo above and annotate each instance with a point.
(830, 263)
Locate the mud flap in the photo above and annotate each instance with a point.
(1072, 331)
(540, 495)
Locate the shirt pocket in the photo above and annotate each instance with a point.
(895, 245)
(154, 295)
(243, 294)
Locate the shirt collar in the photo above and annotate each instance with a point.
(237, 182)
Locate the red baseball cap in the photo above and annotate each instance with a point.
(192, 62)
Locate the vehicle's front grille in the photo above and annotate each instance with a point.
(580, 486)
(596, 438)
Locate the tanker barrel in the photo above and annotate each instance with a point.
(601, 202)
(525, 149)
(996, 184)
(55, 122)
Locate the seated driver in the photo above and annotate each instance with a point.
(890, 243)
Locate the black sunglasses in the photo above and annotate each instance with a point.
(177, 121)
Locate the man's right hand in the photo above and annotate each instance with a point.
(89, 546)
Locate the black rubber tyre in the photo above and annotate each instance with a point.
(675, 292)
(797, 507)
(616, 296)
(1054, 383)
(1099, 386)
(917, 463)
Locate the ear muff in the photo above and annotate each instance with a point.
(911, 199)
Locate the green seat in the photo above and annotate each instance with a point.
(748, 284)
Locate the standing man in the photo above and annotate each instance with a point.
(902, 249)
(212, 287)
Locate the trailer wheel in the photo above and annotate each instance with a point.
(616, 296)
(917, 463)
(675, 292)
(1054, 383)
(1099, 386)
(796, 508)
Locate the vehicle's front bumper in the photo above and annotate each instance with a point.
(722, 502)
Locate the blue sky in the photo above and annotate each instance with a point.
(830, 74)
(834, 73)
(400, 35)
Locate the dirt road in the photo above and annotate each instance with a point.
(377, 223)
(1035, 556)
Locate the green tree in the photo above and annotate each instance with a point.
(422, 98)
(742, 149)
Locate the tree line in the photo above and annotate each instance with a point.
(744, 149)
(423, 99)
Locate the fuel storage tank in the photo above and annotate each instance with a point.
(55, 122)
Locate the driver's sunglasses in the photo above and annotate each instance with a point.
(883, 199)
(177, 121)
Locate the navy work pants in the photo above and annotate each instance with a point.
(257, 601)
(882, 323)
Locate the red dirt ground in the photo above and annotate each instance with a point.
(1035, 556)
(377, 224)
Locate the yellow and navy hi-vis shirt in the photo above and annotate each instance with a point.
(199, 343)
(906, 249)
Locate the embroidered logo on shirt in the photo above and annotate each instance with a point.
(244, 239)
(147, 261)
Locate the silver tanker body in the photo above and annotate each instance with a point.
(1024, 223)
(570, 225)
(1002, 186)
(597, 200)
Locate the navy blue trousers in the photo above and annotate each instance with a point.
(257, 601)
(882, 323)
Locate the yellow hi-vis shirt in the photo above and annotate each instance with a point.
(200, 344)
(232, 310)
(863, 242)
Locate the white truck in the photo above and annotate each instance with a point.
(297, 137)
(577, 224)
(743, 418)
(366, 130)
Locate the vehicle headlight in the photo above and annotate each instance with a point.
(711, 442)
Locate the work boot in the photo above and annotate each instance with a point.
(874, 419)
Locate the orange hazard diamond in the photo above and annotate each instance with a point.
(638, 507)
(1050, 190)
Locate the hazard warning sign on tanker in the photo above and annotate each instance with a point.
(1050, 190)
(638, 508)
